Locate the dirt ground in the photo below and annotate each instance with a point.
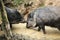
(52, 33)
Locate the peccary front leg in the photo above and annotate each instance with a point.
(11, 25)
(39, 28)
(43, 28)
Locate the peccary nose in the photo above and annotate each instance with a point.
(27, 26)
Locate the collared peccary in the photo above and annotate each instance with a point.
(49, 16)
(14, 16)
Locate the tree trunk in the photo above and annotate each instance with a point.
(5, 23)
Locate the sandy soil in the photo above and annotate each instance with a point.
(52, 33)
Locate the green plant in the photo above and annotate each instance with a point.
(17, 2)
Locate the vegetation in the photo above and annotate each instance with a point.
(18, 2)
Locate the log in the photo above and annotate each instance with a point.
(5, 23)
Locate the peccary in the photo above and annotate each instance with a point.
(14, 16)
(44, 16)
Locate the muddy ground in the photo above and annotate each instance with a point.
(52, 33)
